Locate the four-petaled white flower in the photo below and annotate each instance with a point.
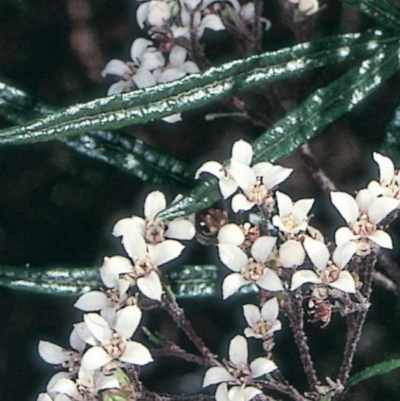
(363, 223)
(111, 343)
(262, 323)
(247, 270)
(235, 393)
(237, 370)
(328, 273)
(293, 216)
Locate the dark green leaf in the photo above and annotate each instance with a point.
(378, 369)
(146, 104)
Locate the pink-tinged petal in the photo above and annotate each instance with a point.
(242, 174)
(94, 358)
(127, 320)
(141, 14)
(182, 229)
(386, 168)
(136, 354)
(91, 301)
(285, 204)
(52, 353)
(262, 247)
(150, 286)
(317, 251)
(227, 186)
(251, 314)
(270, 281)
(261, 366)
(165, 251)
(221, 394)
(98, 327)
(242, 152)
(302, 277)
(232, 257)
(382, 239)
(240, 202)
(112, 268)
(343, 235)
(344, 283)
(155, 202)
(232, 283)
(381, 207)
(364, 199)
(212, 167)
(343, 253)
(216, 374)
(301, 209)
(291, 254)
(238, 353)
(75, 341)
(277, 175)
(135, 245)
(230, 234)
(346, 206)
(270, 310)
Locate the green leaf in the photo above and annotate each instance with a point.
(117, 149)
(310, 118)
(391, 141)
(378, 369)
(383, 11)
(146, 104)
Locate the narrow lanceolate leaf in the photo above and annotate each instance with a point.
(311, 117)
(391, 141)
(117, 149)
(383, 11)
(185, 281)
(378, 369)
(159, 101)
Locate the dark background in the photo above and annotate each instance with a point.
(57, 207)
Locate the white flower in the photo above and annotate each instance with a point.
(293, 216)
(262, 324)
(291, 254)
(328, 273)
(235, 393)
(237, 370)
(363, 223)
(155, 12)
(114, 344)
(231, 234)
(308, 7)
(151, 228)
(249, 270)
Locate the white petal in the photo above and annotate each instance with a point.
(270, 281)
(165, 251)
(277, 175)
(227, 186)
(155, 202)
(277, 222)
(182, 229)
(135, 245)
(98, 327)
(91, 301)
(386, 168)
(232, 257)
(150, 286)
(151, 60)
(302, 277)
(143, 78)
(346, 205)
(120, 87)
(158, 13)
(54, 379)
(232, 283)
(46, 397)
(262, 247)
(250, 392)
(381, 207)
(117, 68)
(382, 239)
(364, 199)
(141, 14)
(231, 234)
(261, 366)
(344, 283)
(136, 354)
(138, 48)
(210, 21)
(177, 56)
(375, 189)
(75, 341)
(262, 168)
(242, 174)
(68, 387)
(131, 224)
(238, 353)
(94, 358)
(270, 310)
(251, 314)
(171, 74)
(111, 269)
(52, 353)
(240, 202)
(301, 209)
(216, 374)
(242, 152)
(211, 167)
(127, 321)
(343, 253)
(343, 235)
(84, 333)
(285, 204)
(317, 251)
(291, 254)
(221, 394)
(173, 118)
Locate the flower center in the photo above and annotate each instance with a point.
(290, 222)
(330, 274)
(363, 226)
(262, 327)
(253, 271)
(257, 193)
(73, 363)
(241, 373)
(115, 347)
(154, 231)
